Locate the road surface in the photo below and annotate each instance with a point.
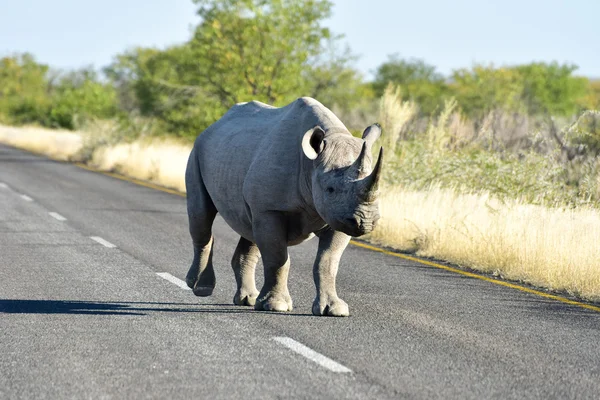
(91, 307)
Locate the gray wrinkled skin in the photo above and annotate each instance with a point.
(278, 177)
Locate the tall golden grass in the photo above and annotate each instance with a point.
(394, 114)
(159, 160)
(551, 247)
(162, 161)
(57, 144)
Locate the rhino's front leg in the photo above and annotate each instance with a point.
(270, 233)
(331, 246)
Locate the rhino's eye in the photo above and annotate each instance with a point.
(330, 190)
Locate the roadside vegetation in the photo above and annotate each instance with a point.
(494, 168)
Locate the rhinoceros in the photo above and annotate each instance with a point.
(278, 177)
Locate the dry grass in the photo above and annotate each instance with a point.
(394, 114)
(57, 144)
(553, 248)
(162, 161)
(159, 160)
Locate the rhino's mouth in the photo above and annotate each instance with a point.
(354, 226)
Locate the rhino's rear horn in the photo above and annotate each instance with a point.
(370, 184)
(361, 160)
(372, 133)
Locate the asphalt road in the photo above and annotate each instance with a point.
(82, 320)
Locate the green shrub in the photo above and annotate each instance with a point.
(76, 99)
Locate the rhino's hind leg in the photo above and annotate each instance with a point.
(201, 214)
(201, 275)
(244, 263)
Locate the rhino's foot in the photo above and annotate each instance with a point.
(199, 289)
(245, 297)
(203, 291)
(202, 286)
(274, 302)
(330, 306)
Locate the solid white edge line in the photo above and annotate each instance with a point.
(3, 185)
(312, 355)
(172, 279)
(57, 216)
(103, 242)
(26, 198)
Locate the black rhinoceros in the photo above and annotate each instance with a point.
(280, 176)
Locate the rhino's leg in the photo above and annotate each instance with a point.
(201, 214)
(244, 263)
(201, 275)
(270, 233)
(331, 246)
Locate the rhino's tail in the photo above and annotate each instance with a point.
(192, 171)
(198, 198)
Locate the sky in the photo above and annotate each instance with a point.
(447, 34)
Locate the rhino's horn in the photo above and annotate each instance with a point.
(370, 184)
(360, 161)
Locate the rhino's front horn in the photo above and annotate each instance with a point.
(370, 184)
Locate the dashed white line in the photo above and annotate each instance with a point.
(312, 355)
(26, 198)
(103, 242)
(3, 185)
(172, 279)
(57, 216)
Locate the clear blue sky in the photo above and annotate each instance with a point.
(447, 34)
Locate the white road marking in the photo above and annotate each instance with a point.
(26, 198)
(172, 279)
(3, 185)
(312, 355)
(103, 242)
(57, 216)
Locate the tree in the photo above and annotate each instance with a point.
(32, 93)
(258, 49)
(481, 89)
(165, 84)
(418, 81)
(333, 81)
(125, 73)
(267, 50)
(23, 89)
(79, 95)
(593, 97)
(536, 88)
(551, 88)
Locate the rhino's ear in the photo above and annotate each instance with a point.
(312, 142)
(371, 134)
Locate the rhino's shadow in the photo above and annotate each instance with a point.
(21, 306)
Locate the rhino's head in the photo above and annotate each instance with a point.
(344, 183)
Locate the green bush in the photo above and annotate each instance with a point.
(23, 90)
(419, 82)
(31, 93)
(72, 103)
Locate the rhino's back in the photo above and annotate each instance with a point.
(257, 139)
